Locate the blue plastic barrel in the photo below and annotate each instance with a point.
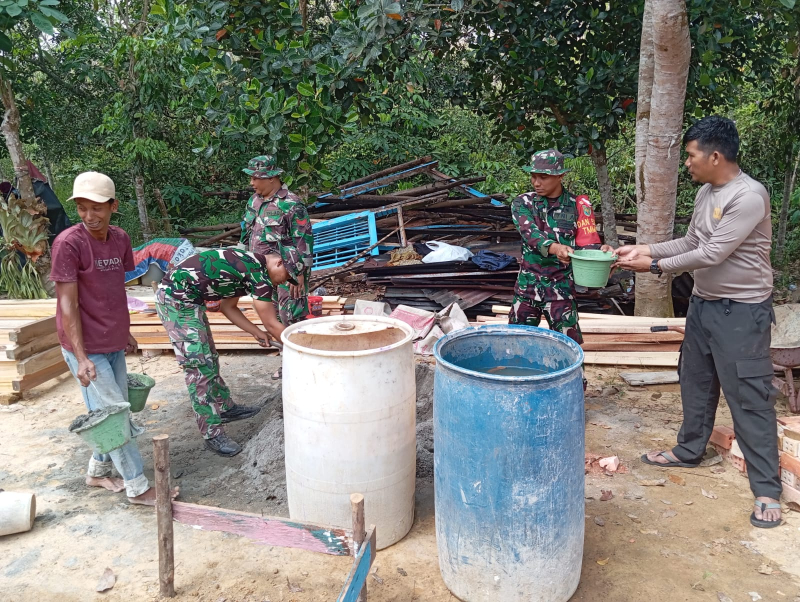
(509, 464)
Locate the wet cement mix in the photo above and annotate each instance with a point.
(92, 418)
(135, 381)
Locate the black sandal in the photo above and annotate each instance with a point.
(672, 461)
(765, 524)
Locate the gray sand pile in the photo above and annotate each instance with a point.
(263, 456)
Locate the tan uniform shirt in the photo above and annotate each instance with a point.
(728, 243)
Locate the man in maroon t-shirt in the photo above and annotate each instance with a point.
(89, 261)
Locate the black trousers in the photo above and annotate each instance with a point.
(727, 344)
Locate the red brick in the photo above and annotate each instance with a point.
(723, 436)
(790, 463)
(738, 463)
(790, 494)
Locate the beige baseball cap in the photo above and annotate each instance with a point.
(93, 186)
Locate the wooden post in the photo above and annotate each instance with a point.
(402, 226)
(166, 543)
(359, 533)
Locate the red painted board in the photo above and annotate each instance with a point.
(266, 530)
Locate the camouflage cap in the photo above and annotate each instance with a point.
(263, 166)
(549, 162)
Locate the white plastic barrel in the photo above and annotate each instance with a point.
(349, 408)
(17, 512)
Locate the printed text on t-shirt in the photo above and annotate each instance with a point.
(107, 265)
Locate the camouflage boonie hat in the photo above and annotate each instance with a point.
(263, 166)
(549, 162)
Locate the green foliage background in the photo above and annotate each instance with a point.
(365, 84)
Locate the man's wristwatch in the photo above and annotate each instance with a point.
(654, 269)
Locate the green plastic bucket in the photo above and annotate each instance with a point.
(137, 395)
(106, 429)
(591, 268)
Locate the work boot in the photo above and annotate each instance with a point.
(238, 413)
(223, 445)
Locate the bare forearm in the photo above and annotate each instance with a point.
(71, 323)
(238, 319)
(266, 311)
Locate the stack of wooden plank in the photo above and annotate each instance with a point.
(29, 350)
(618, 340)
(150, 334)
(148, 331)
(333, 305)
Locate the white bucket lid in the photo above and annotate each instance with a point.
(346, 326)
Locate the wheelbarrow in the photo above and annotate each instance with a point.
(785, 351)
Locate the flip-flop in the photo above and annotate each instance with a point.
(278, 375)
(765, 524)
(672, 461)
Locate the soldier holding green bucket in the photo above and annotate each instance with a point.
(553, 223)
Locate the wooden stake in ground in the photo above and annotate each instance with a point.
(166, 542)
(359, 533)
(401, 225)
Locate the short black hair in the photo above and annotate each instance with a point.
(715, 133)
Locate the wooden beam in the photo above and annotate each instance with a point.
(267, 530)
(669, 359)
(401, 226)
(27, 311)
(359, 534)
(216, 228)
(37, 328)
(629, 347)
(219, 237)
(389, 171)
(34, 380)
(637, 379)
(615, 337)
(40, 361)
(21, 352)
(166, 540)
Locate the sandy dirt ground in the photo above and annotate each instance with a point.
(645, 543)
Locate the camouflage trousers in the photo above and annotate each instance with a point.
(290, 310)
(190, 333)
(561, 315)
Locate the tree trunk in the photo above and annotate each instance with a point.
(304, 13)
(162, 206)
(48, 171)
(788, 188)
(656, 209)
(141, 202)
(10, 128)
(646, 66)
(606, 197)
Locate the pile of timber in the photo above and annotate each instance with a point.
(618, 340)
(432, 286)
(29, 350)
(220, 234)
(382, 194)
(148, 331)
(379, 192)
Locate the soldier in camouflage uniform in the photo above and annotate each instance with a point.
(276, 221)
(221, 275)
(552, 221)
